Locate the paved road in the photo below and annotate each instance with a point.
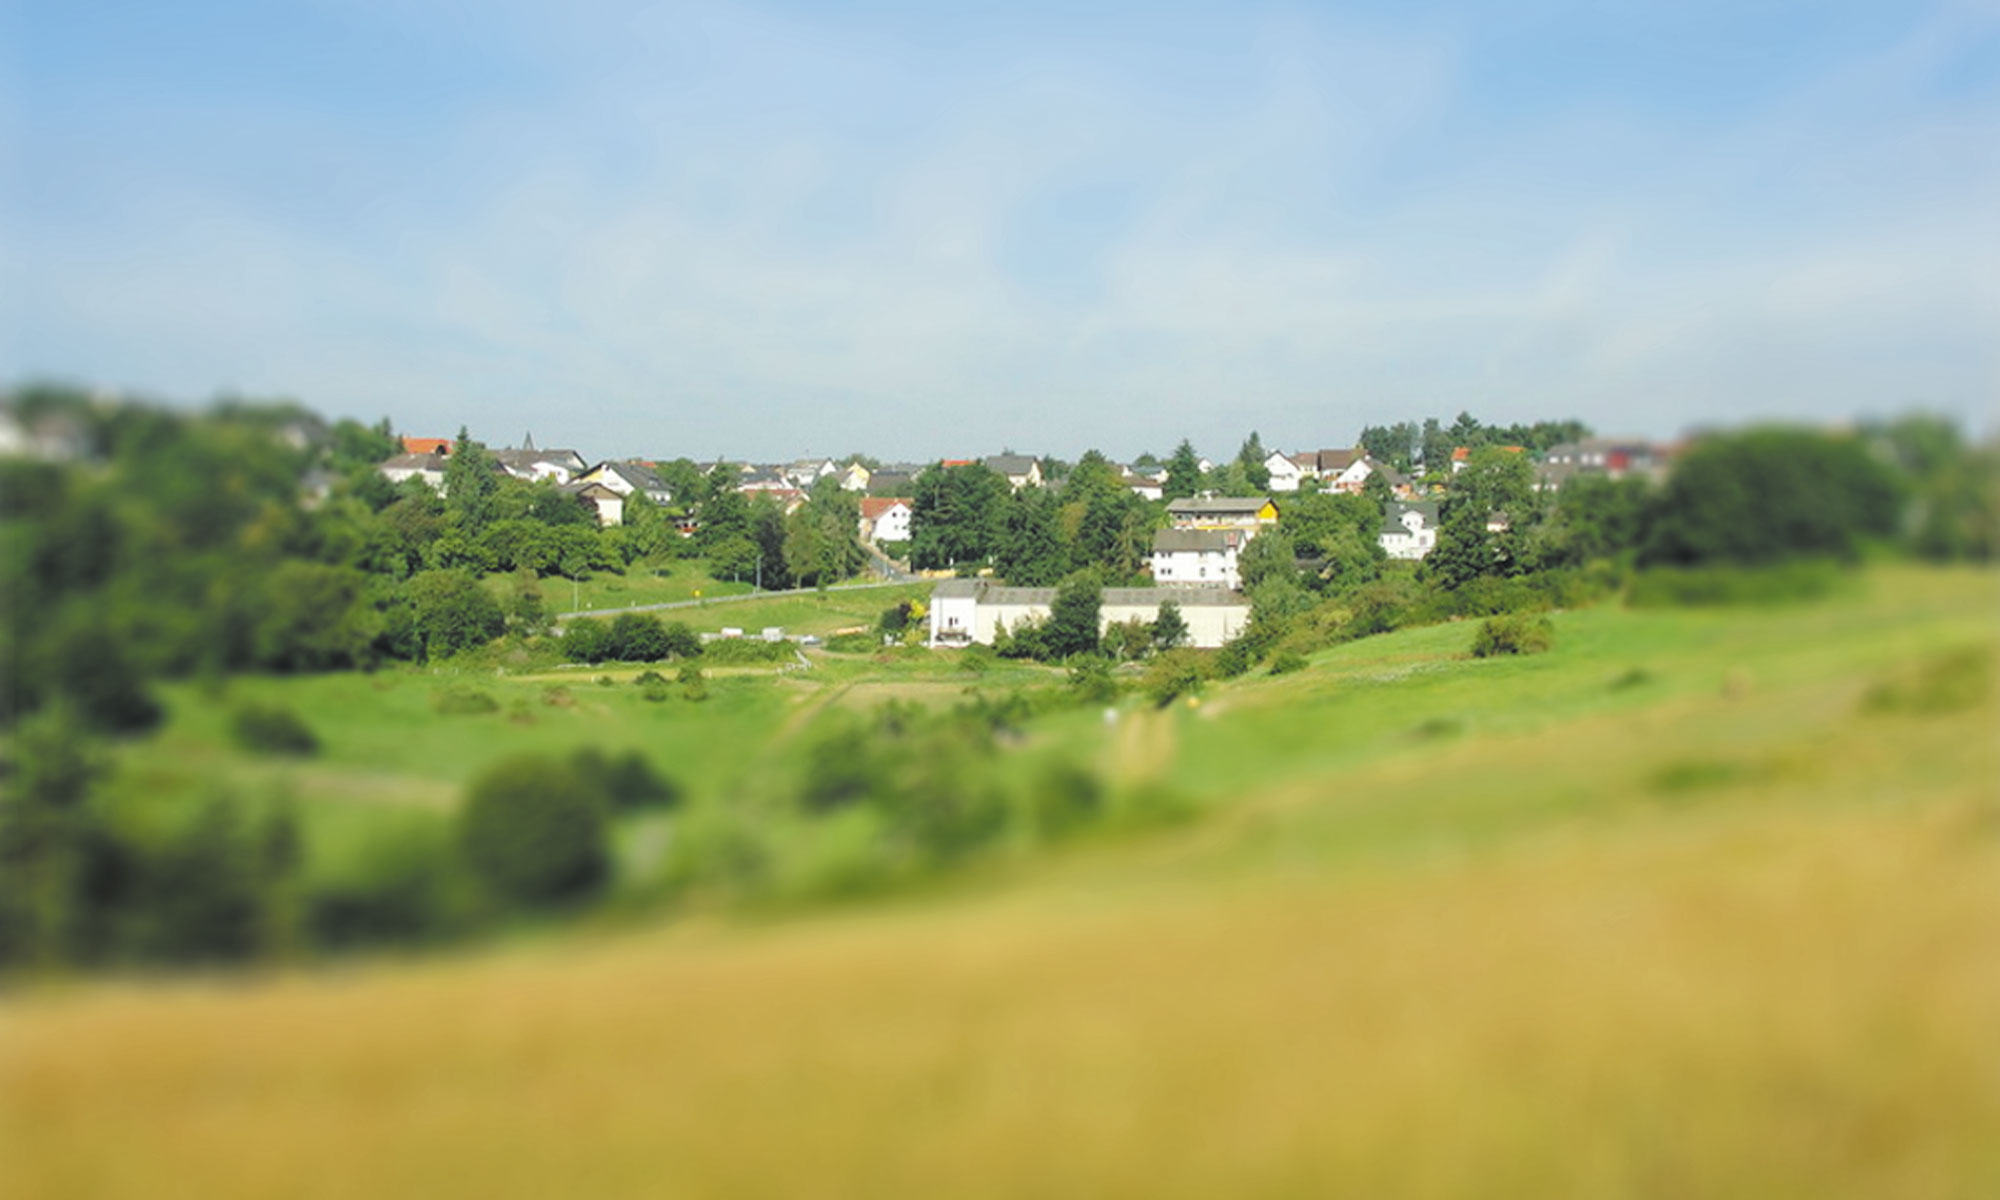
(851, 587)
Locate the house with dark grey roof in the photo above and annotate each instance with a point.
(1020, 469)
(629, 477)
(1198, 557)
(1409, 531)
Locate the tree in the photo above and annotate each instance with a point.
(1268, 556)
(1170, 629)
(533, 831)
(451, 613)
(1250, 456)
(956, 515)
(1769, 494)
(469, 484)
(1183, 473)
(1032, 552)
(1072, 627)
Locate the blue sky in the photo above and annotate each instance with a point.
(767, 230)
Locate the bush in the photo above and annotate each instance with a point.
(746, 650)
(1090, 680)
(273, 729)
(627, 780)
(1286, 661)
(461, 700)
(694, 686)
(854, 643)
(638, 637)
(1516, 633)
(1172, 675)
(586, 640)
(533, 831)
(1695, 587)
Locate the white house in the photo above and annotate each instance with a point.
(1409, 531)
(808, 471)
(427, 467)
(885, 519)
(606, 505)
(854, 477)
(628, 477)
(964, 611)
(1198, 557)
(1144, 487)
(1021, 470)
(1286, 474)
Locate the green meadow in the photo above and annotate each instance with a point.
(1703, 901)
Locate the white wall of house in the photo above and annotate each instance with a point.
(1285, 474)
(962, 616)
(892, 525)
(1209, 567)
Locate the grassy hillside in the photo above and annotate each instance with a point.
(1699, 903)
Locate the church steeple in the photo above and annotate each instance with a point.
(528, 441)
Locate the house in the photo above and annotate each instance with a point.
(885, 519)
(1198, 557)
(891, 482)
(854, 477)
(628, 477)
(1223, 512)
(1612, 457)
(48, 436)
(1343, 470)
(1020, 469)
(1286, 473)
(805, 472)
(531, 464)
(965, 611)
(1409, 531)
(606, 505)
(1144, 487)
(428, 467)
(763, 479)
(441, 447)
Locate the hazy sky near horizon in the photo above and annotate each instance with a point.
(768, 230)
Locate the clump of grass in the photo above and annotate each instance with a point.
(557, 696)
(1632, 677)
(1513, 633)
(1287, 661)
(274, 729)
(1953, 681)
(1697, 775)
(462, 700)
(1434, 728)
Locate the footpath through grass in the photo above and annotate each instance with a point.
(1699, 903)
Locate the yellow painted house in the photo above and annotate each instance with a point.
(1223, 512)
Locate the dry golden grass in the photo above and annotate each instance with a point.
(1746, 997)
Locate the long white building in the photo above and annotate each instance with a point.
(964, 611)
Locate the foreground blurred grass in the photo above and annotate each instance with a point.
(1701, 903)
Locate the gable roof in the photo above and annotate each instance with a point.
(1195, 506)
(1011, 464)
(1339, 460)
(1196, 541)
(427, 445)
(872, 507)
(639, 475)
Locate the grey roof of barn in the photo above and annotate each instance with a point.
(1187, 597)
(1219, 504)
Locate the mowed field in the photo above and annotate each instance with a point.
(1699, 903)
